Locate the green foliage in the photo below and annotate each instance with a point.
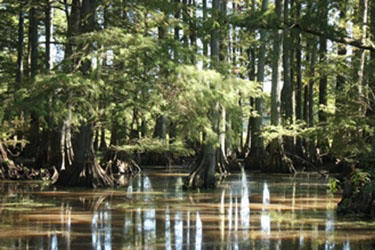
(271, 132)
(146, 145)
(334, 185)
(202, 90)
(362, 181)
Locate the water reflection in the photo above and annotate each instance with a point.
(168, 230)
(245, 208)
(266, 194)
(198, 232)
(330, 229)
(54, 242)
(101, 230)
(178, 230)
(265, 220)
(154, 213)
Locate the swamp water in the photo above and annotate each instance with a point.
(247, 211)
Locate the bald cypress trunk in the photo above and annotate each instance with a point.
(276, 160)
(211, 158)
(255, 159)
(32, 150)
(299, 106)
(49, 28)
(323, 143)
(33, 37)
(82, 168)
(340, 84)
(313, 58)
(20, 44)
(371, 106)
(362, 88)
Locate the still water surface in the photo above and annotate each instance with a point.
(247, 211)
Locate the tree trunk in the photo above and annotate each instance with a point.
(33, 36)
(340, 82)
(19, 74)
(96, 139)
(371, 105)
(32, 150)
(287, 92)
(103, 144)
(362, 56)
(323, 143)
(255, 159)
(85, 170)
(160, 130)
(176, 29)
(276, 160)
(49, 30)
(192, 29)
(299, 88)
(114, 135)
(210, 157)
(312, 148)
(252, 76)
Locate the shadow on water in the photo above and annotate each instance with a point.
(247, 211)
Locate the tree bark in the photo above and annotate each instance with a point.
(210, 157)
(323, 143)
(49, 30)
(276, 69)
(362, 57)
(20, 44)
(371, 106)
(103, 144)
(340, 82)
(299, 88)
(33, 36)
(276, 160)
(161, 128)
(287, 92)
(84, 169)
(312, 148)
(254, 159)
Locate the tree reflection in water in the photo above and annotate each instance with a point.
(154, 213)
(265, 220)
(198, 232)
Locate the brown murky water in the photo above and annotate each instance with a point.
(247, 211)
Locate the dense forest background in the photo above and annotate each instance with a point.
(91, 89)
